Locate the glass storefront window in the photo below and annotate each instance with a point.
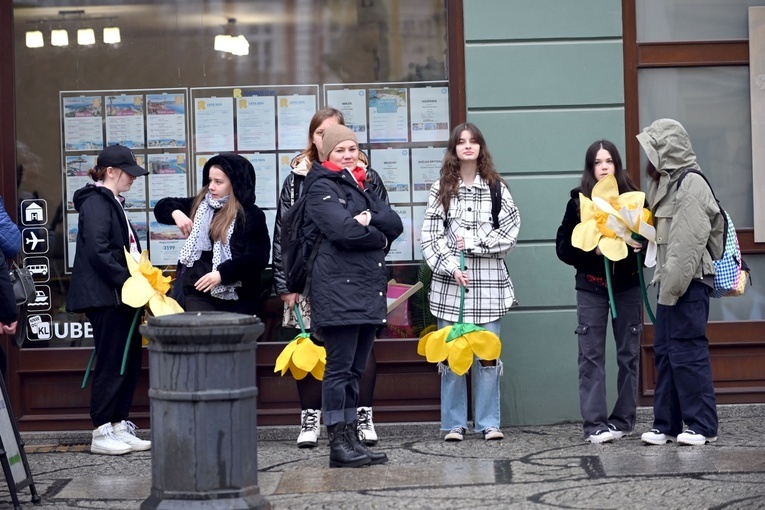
(173, 86)
(692, 20)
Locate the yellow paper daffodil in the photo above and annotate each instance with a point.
(609, 220)
(147, 286)
(301, 356)
(458, 344)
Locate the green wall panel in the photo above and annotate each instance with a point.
(541, 202)
(539, 278)
(541, 19)
(557, 74)
(543, 141)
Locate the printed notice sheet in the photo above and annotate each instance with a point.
(83, 124)
(138, 220)
(388, 118)
(353, 104)
(293, 117)
(167, 177)
(165, 121)
(255, 129)
(265, 178)
(393, 167)
(77, 175)
(200, 160)
(426, 169)
(418, 218)
(285, 166)
(71, 237)
(214, 124)
(165, 243)
(136, 197)
(124, 121)
(401, 248)
(430, 114)
(270, 222)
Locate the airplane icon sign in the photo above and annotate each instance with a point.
(35, 240)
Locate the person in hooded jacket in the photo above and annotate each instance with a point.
(348, 283)
(227, 245)
(309, 389)
(10, 244)
(100, 270)
(592, 308)
(689, 237)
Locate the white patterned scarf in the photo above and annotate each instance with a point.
(199, 241)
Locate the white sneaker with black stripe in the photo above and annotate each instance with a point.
(310, 428)
(600, 436)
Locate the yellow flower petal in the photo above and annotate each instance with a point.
(283, 360)
(131, 263)
(297, 373)
(484, 344)
(613, 249)
(460, 355)
(436, 348)
(318, 371)
(136, 291)
(305, 356)
(159, 304)
(586, 235)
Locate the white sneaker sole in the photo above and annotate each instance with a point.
(659, 442)
(696, 442)
(105, 451)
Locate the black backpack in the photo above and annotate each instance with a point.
(298, 252)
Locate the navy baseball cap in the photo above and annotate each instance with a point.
(119, 156)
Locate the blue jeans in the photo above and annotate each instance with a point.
(486, 391)
(593, 312)
(684, 390)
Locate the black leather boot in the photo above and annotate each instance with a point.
(352, 433)
(341, 452)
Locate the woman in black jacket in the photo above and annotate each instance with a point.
(592, 308)
(309, 389)
(348, 283)
(100, 270)
(227, 245)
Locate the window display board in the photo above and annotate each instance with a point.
(154, 123)
(404, 128)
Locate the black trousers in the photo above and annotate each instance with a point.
(111, 394)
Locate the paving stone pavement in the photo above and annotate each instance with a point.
(534, 467)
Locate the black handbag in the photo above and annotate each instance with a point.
(23, 284)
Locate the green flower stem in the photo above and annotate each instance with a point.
(610, 287)
(462, 289)
(87, 369)
(643, 289)
(296, 309)
(129, 338)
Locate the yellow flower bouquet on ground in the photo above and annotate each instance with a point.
(459, 342)
(301, 356)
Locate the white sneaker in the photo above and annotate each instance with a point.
(106, 443)
(309, 428)
(367, 433)
(692, 438)
(600, 436)
(454, 435)
(125, 432)
(492, 434)
(655, 436)
(618, 434)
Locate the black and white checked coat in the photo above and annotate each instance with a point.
(490, 293)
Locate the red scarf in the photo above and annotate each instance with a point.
(358, 173)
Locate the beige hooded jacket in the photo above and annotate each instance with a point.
(689, 225)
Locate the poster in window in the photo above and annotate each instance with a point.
(136, 197)
(255, 128)
(418, 218)
(393, 167)
(141, 226)
(353, 104)
(293, 117)
(165, 121)
(214, 124)
(265, 178)
(430, 114)
(165, 243)
(124, 120)
(285, 166)
(167, 176)
(270, 222)
(388, 117)
(426, 169)
(401, 248)
(71, 236)
(77, 176)
(83, 123)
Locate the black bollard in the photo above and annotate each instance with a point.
(203, 407)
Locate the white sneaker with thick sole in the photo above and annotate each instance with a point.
(618, 434)
(654, 436)
(692, 438)
(125, 432)
(367, 433)
(456, 434)
(309, 428)
(106, 443)
(600, 436)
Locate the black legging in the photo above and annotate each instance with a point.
(309, 389)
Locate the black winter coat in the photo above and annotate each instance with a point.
(590, 267)
(348, 279)
(100, 269)
(250, 248)
(291, 190)
(8, 309)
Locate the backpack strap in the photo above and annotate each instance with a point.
(697, 172)
(496, 204)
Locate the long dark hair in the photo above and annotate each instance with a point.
(320, 116)
(450, 167)
(623, 179)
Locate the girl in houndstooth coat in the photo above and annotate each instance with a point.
(459, 217)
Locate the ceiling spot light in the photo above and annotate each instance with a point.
(59, 38)
(35, 39)
(86, 36)
(112, 35)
